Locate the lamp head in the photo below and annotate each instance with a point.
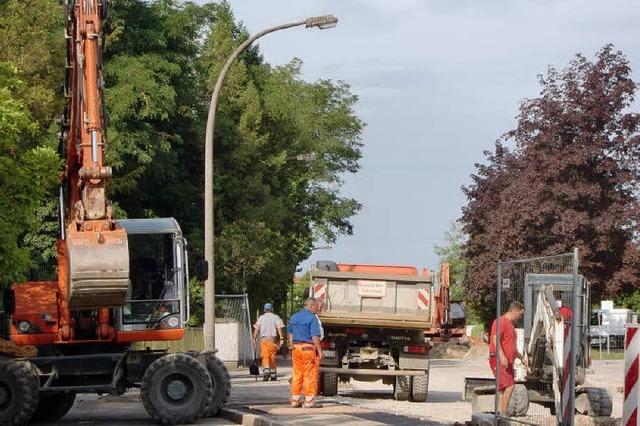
(323, 22)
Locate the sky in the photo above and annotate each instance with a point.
(438, 82)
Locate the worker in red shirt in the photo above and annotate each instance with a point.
(506, 353)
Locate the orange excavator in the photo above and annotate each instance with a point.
(119, 282)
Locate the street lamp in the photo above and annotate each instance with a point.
(321, 22)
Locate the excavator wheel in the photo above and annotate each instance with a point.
(176, 389)
(18, 392)
(594, 402)
(519, 402)
(221, 384)
(53, 406)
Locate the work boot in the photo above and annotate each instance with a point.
(274, 377)
(265, 378)
(310, 403)
(295, 403)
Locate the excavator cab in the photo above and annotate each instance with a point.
(158, 294)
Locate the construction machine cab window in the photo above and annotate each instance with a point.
(154, 291)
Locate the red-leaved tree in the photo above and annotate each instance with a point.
(569, 180)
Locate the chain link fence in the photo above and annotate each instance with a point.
(555, 300)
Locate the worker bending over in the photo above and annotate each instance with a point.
(506, 353)
(268, 328)
(304, 339)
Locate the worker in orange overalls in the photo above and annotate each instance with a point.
(268, 328)
(304, 339)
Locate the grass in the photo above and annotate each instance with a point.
(596, 354)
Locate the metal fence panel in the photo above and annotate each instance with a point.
(234, 341)
(554, 324)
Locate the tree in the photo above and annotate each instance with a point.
(569, 181)
(26, 173)
(453, 253)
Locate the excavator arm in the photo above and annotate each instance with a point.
(95, 253)
(547, 335)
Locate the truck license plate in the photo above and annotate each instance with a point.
(329, 354)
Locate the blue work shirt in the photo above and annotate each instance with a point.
(303, 325)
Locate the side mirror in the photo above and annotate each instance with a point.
(202, 270)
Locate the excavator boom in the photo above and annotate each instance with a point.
(97, 253)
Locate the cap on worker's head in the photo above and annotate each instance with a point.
(268, 306)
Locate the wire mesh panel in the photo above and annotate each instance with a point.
(233, 329)
(540, 308)
(607, 329)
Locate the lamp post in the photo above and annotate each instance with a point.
(321, 22)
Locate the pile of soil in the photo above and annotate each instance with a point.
(452, 349)
(466, 347)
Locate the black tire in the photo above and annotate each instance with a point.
(329, 384)
(53, 406)
(221, 382)
(594, 402)
(18, 392)
(519, 402)
(402, 390)
(176, 389)
(420, 388)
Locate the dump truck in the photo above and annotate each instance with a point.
(378, 323)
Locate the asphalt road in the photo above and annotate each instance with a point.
(358, 403)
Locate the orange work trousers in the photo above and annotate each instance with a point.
(268, 351)
(305, 372)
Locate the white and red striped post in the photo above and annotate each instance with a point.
(631, 367)
(566, 370)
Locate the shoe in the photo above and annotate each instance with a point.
(310, 404)
(265, 378)
(295, 403)
(274, 378)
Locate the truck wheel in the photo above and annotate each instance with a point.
(594, 402)
(420, 388)
(519, 402)
(329, 383)
(402, 389)
(176, 389)
(18, 392)
(53, 406)
(221, 385)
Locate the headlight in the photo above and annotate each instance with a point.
(173, 322)
(24, 326)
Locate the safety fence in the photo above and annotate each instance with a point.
(234, 341)
(608, 332)
(555, 304)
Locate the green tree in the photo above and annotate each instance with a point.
(26, 174)
(453, 253)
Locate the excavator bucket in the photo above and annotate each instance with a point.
(98, 269)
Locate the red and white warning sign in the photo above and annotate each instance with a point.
(423, 299)
(320, 291)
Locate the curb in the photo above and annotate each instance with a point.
(245, 418)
